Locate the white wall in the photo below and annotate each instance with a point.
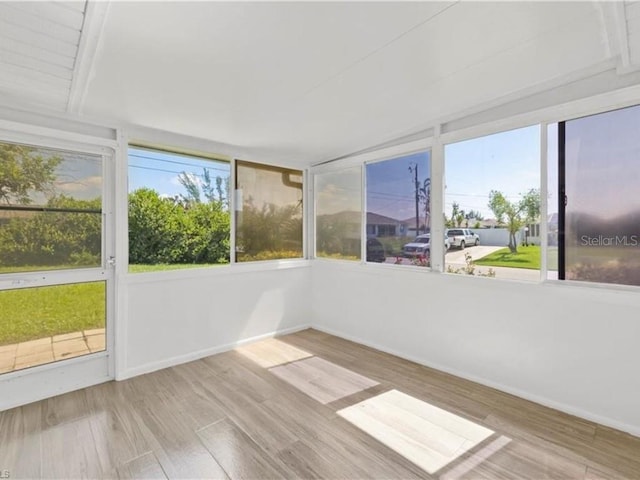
(573, 348)
(174, 317)
(497, 237)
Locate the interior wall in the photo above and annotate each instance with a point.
(176, 318)
(570, 347)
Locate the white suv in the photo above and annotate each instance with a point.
(462, 237)
(421, 246)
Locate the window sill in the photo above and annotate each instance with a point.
(213, 271)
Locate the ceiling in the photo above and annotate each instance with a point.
(305, 82)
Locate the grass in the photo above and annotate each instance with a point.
(159, 267)
(30, 313)
(527, 257)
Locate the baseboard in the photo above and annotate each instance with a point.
(562, 407)
(191, 356)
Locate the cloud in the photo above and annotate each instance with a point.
(88, 187)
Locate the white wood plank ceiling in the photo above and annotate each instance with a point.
(38, 48)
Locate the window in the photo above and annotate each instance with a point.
(52, 232)
(399, 210)
(178, 210)
(492, 205)
(599, 207)
(268, 212)
(50, 209)
(339, 214)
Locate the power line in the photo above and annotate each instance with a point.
(179, 163)
(162, 170)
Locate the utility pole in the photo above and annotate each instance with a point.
(414, 169)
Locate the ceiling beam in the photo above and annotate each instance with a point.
(614, 19)
(90, 42)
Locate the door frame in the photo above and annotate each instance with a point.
(42, 381)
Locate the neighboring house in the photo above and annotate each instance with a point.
(411, 226)
(381, 226)
(348, 223)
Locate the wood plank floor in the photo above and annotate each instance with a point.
(231, 416)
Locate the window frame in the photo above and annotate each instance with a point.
(234, 201)
(483, 130)
(361, 161)
(437, 136)
(410, 149)
(187, 152)
(176, 143)
(107, 150)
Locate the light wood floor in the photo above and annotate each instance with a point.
(231, 416)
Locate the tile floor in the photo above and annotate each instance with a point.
(49, 349)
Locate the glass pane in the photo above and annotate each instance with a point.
(46, 324)
(269, 212)
(31, 241)
(50, 209)
(492, 205)
(178, 211)
(399, 210)
(602, 156)
(339, 214)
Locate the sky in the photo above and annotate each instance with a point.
(391, 185)
(508, 162)
(338, 191)
(78, 175)
(160, 171)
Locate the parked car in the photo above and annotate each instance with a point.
(462, 237)
(375, 251)
(421, 246)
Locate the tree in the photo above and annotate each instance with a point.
(191, 184)
(213, 190)
(515, 214)
(163, 230)
(455, 213)
(54, 238)
(424, 194)
(23, 171)
(473, 215)
(269, 228)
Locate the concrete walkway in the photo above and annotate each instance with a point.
(50, 349)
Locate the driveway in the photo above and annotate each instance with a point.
(456, 257)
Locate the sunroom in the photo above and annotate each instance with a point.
(319, 239)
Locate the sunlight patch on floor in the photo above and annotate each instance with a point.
(272, 352)
(323, 381)
(422, 433)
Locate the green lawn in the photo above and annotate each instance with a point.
(30, 313)
(527, 257)
(158, 267)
